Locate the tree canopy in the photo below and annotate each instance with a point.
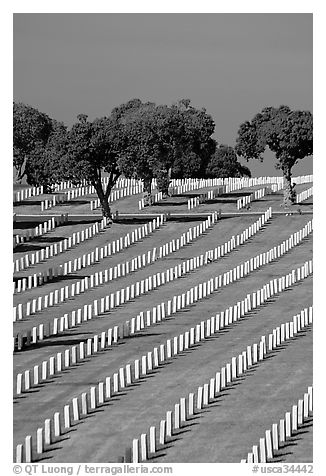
(92, 148)
(31, 130)
(143, 140)
(197, 144)
(50, 153)
(287, 133)
(224, 163)
(45, 165)
(139, 140)
(165, 141)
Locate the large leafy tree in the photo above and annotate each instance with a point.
(164, 141)
(51, 153)
(31, 131)
(139, 127)
(287, 133)
(46, 163)
(224, 163)
(196, 146)
(140, 140)
(91, 149)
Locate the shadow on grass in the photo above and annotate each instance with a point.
(193, 421)
(217, 401)
(169, 204)
(293, 441)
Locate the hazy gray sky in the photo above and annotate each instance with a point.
(231, 64)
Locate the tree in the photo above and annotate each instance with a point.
(139, 140)
(31, 130)
(165, 141)
(46, 163)
(196, 146)
(91, 149)
(138, 126)
(287, 133)
(224, 163)
(86, 151)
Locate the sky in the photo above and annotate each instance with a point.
(231, 64)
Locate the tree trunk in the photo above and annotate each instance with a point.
(148, 190)
(148, 185)
(288, 194)
(103, 197)
(21, 170)
(47, 188)
(163, 182)
(169, 177)
(106, 210)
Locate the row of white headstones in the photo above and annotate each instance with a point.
(193, 203)
(120, 270)
(118, 194)
(39, 230)
(27, 193)
(30, 259)
(281, 432)
(187, 187)
(245, 181)
(113, 300)
(65, 197)
(68, 196)
(48, 203)
(155, 198)
(120, 183)
(304, 195)
(136, 263)
(209, 195)
(37, 279)
(123, 183)
(145, 447)
(256, 195)
(50, 367)
(241, 202)
(76, 191)
(151, 317)
(87, 190)
(141, 287)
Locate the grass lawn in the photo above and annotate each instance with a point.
(226, 430)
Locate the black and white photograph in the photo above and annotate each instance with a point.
(162, 228)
